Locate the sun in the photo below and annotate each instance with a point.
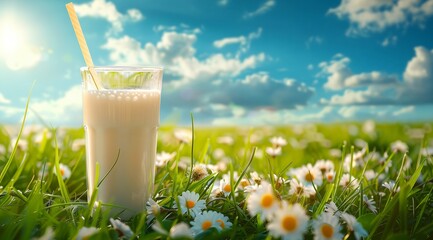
(11, 37)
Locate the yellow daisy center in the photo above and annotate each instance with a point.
(227, 188)
(330, 177)
(244, 183)
(289, 223)
(190, 204)
(309, 177)
(327, 230)
(206, 225)
(62, 172)
(267, 200)
(221, 222)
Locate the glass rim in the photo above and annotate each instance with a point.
(124, 68)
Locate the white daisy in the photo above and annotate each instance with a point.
(324, 165)
(273, 152)
(225, 186)
(86, 233)
(263, 201)
(370, 203)
(399, 146)
(347, 181)
(218, 153)
(78, 144)
(122, 229)
(183, 135)
(357, 161)
(163, 158)
(326, 227)
(65, 172)
(181, 230)
(330, 176)
(243, 184)
(335, 152)
(289, 222)
(391, 187)
(354, 226)
(2, 149)
(332, 209)
(308, 175)
(299, 189)
(252, 188)
(255, 177)
(370, 175)
(189, 202)
(278, 141)
(223, 221)
(153, 209)
(21, 144)
(204, 221)
(226, 140)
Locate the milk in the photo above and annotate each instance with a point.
(121, 123)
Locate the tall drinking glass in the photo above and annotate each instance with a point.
(121, 121)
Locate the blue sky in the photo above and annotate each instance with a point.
(228, 62)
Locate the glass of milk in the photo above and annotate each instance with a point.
(121, 120)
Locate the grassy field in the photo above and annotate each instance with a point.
(377, 184)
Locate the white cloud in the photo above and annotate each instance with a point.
(183, 28)
(337, 72)
(4, 100)
(243, 41)
(404, 110)
(373, 77)
(230, 40)
(66, 109)
(175, 51)
(24, 58)
(389, 41)
(313, 40)
(375, 16)
(265, 7)
(379, 88)
(340, 76)
(108, 11)
(348, 112)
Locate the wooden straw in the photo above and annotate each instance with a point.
(82, 42)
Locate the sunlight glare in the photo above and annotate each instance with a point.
(11, 37)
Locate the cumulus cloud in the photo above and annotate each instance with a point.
(379, 88)
(176, 52)
(66, 109)
(418, 77)
(254, 91)
(375, 16)
(264, 8)
(404, 110)
(348, 112)
(217, 85)
(339, 75)
(108, 11)
(276, 117)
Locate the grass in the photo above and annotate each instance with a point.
(35, 200)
